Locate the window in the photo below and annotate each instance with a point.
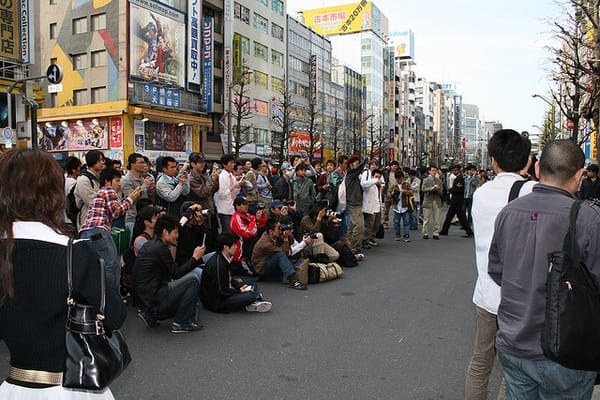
(242, 13)
(261, 79)
(53, 31)
(277, 58)
(98, 22)
(79, 61)
(79, 97)
(261, 23)
(277, 6)
(261, 51)
(98, 94)
(80, 25)
(245, 45)
(277, 32)
(277, 85)
(98, 58)
(264, 2)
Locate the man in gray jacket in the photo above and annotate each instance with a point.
(136, 177)
(526, 231)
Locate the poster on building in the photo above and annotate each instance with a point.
(299, 145)
(157, 43)
(347, 18)
(164, 137)
(193, 41)
(208, 48)
(403, 44)
(73, 136)
(116, 132)
(9, 30)
(138, 135)
(260, 107)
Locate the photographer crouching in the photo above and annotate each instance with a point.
(319, 221)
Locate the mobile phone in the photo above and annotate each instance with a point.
(203, 239)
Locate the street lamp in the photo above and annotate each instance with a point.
(552, 108)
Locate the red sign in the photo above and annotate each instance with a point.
(391, 155)
(570, 124)
(300, 145)
(116, 132)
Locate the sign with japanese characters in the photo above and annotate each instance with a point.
(193, 62)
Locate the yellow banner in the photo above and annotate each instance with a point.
(345, 18)
(237, 57)
(9, 30)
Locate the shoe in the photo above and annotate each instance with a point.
(397, 239)
(373, 243)
(425, 237)
(435, 237)
(386, 225)
(406, 240)
(359, 256)
(297, 285)
(468, 235)
(366, 246)
(259, 306)
(443, 233)
(184, 328)
(148, 320)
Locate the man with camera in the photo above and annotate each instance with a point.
(246, 226)
(172, 187)
(270, 255)
(320, 221)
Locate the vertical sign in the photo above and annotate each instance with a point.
(26, 39)
(9, 30)
(207, 52)
(193, 66)
(313, 79)
(237, 57)
(116, 132)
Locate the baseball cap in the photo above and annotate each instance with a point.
(286, 165)
(593, 168)
(276, 204)
(240, 200)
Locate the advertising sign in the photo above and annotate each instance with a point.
(208, 49)
(260, 107)
(313, 79)
(157, 44)
(404, 44)
(9, 33)
(161, 139)
(193, 62)
(347, 18)
(237, 57)
(26, 40)
(162, 96)
(116, 132)
(299, 144)
(74, 136)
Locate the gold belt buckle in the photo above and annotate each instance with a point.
(35, 376)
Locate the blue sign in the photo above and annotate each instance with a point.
(163, 96)
(207, 55)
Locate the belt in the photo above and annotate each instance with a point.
(34, 376)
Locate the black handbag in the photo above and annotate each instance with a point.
(571, 331)
(380, 232)
(94, 356)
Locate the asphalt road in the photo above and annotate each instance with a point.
(398, 326)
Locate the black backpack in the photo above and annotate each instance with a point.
(72, 210)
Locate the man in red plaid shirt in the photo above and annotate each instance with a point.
(103, 209)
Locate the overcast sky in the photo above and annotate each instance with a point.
(493, 51)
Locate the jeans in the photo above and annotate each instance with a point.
(238, 301)
(225, 222)
(414, 217)
(401, 224)
(355, 226)
(130, 226)
(105, 248)
(482, 361)
(278, 266)
(544, 380)
(181, 302)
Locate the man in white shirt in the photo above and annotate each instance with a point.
(229, 187)
(510, 153)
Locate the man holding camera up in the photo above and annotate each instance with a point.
(172, 187)
(320, 220)
(246, 226)
(270, 255)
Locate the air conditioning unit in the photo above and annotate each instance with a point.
(22, 130)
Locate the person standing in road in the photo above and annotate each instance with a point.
(87, 184)
(354, 202)
(432, 190)
(526, 231)
(590, 186)
(457, 198)
(471, 184)
(172, 186)
(229, 187)
(509, 153)
(137, 176)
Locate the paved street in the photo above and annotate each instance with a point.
(399, 326)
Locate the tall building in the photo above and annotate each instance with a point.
(471, 132)
(132, 77)
(353, 98)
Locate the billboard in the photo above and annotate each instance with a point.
(299, 145)
(347, 18)
(157, 43)
(10, 43)
(404, 44)
(193, 39)
(74, 136)
(208, 49)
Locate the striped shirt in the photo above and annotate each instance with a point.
(103, 208)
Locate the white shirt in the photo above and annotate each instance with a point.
(224, 197)
(488, 201)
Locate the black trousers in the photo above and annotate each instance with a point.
(456, 209)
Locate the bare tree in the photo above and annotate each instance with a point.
(240, 111)
(285, 122)
(313, 135)
(335, 136)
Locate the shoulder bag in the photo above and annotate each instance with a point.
(571, 331)
(94, 356)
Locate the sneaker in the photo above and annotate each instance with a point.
(373, 243)
(397, 239)
(259, 306)
(359, 256)
(436, 237)
(366, 246)
(148, 320)
(386, 225)
(184, 328)
(297, 285)
(425, 237)
(406, 240)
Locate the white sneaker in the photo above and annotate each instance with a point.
(373, 243)
(259, 306)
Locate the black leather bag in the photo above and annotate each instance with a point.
(571, 331)
(94, 356)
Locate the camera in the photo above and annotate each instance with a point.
(287, 227)
(323, 204)
(260, 207)
(311, 235)
(205, 213)
(289, 203)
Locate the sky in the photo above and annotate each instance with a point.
(492, 51)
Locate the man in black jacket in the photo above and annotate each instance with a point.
(457, 198)
(162, 288)
(219, 292)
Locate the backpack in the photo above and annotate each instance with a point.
(321, 272)
(71, 209)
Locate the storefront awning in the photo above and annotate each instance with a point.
(169, 116)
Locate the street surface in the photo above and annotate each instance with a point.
(398, 326)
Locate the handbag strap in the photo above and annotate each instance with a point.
(570, 242)
(70, 279)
